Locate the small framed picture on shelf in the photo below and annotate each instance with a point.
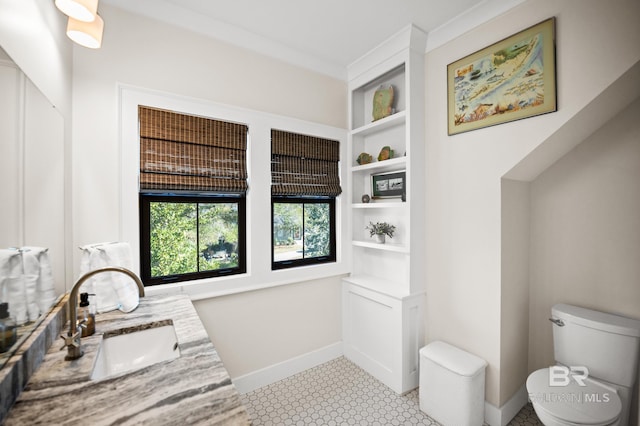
(388, 185)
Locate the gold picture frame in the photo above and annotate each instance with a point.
(512, 79)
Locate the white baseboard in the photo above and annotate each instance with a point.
(265, 376)
(495, 416)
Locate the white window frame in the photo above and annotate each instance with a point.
(259, 274)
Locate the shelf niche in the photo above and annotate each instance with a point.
(362, 98)
(383, 296)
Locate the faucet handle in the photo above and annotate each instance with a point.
(73, 340)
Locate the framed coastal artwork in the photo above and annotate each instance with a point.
(509, 80)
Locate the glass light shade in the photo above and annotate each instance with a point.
(81, 10)
(87, 34)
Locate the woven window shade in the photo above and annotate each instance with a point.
(304, 165)
(180, 152)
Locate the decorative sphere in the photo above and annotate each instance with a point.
(365, 198)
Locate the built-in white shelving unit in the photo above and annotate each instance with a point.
(383, 296)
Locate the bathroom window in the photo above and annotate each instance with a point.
(305, 182)
(193, 181)
(186, 237)
(303, 231)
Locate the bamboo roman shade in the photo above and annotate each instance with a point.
(304, 165)
(180, 152)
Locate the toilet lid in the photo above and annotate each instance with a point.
(592, 404)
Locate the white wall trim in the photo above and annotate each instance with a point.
(282, 370)
(465, 22)
(175, 15)
(495, 416)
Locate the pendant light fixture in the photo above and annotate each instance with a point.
(87, 34)
(85, 26)
(81, 10)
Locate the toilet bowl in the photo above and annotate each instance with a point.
(589, 402)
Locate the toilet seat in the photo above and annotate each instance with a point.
(594, 404)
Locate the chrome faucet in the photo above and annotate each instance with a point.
(72, 339)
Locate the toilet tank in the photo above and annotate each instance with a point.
(607, 344)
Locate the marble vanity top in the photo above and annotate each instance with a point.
(192, 389)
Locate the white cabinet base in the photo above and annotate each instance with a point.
(383, 334)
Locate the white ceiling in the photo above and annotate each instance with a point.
(324, 35)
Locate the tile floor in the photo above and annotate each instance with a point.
(341, 393)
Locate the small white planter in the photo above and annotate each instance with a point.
(380, 238)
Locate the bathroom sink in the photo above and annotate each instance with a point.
(129, 349)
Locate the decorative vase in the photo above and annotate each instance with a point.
(380, 238)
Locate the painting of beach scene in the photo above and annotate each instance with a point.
(509, 80)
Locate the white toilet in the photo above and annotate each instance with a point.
(608, 346)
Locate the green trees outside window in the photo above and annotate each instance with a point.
(190, 237)
(303, 231)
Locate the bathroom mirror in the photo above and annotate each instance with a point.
(32, 177)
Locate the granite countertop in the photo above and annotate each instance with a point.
(192, 389)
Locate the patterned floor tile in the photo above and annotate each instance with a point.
(341, 393)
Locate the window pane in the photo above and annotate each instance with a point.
(218, 236)
(302, 232)
(287, 231)
(173, 238)
(317, 230)
(193, 237)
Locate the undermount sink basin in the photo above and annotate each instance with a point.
(129, 349)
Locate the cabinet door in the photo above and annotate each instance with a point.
(372, 333)
(383, 334)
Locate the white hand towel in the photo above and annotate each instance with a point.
(10, 265)
(85, 266)
(106, 298)
(119, 254)
(113, 290)
(30, 274)
(13, 290)
(45, 285)
(15, 295)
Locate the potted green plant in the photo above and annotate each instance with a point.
(380, 230)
